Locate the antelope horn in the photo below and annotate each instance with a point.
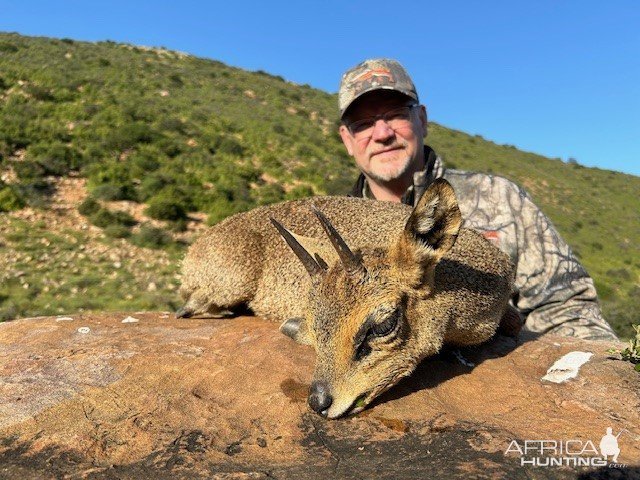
(352, 264)
(305, 257)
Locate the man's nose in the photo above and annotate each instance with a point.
(320, 398)
(382, 131)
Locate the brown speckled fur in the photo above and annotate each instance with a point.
(447, 292)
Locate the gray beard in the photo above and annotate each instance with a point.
(391, 176)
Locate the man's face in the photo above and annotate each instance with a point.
(385, 154)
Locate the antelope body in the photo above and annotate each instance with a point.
(374, 286)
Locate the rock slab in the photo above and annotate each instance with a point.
(91, 396)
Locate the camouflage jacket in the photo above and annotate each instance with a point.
(553, 292)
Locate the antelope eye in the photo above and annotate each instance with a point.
(387, 326)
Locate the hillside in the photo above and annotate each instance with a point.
(112, 157)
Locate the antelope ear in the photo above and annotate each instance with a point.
(436, 219)
(430, 231)
(296, 329)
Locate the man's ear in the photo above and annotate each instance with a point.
(347, 139)
(430, 232)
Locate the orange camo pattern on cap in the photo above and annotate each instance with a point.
(374, 74)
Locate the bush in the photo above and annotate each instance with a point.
(605, 292)
(142, 163)
(220, 209)
(162, 208)
(117, 231)
(10, 200)
(29, 170)
(301, 191)
(180, 225)
(38, 92)
(230, 146)
(619, 273)
(88, 207)
(55, 159)
(172, 124)
(103, 218)
(113, 192)
(151, 237)
(129, 135)
(171, 147)
(152, 185)
(35, 192)
(271, 193)
(8, 47)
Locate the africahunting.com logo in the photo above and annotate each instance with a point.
(569, 453)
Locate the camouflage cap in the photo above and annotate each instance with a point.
(374, 74)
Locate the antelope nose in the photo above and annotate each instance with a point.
(319, 397)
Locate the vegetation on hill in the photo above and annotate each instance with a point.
(181, 135)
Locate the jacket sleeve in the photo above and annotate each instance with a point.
(554, 291)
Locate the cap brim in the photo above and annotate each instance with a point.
(373, 89)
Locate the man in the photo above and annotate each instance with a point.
(383, 128)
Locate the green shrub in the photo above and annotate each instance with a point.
(104, 217)
(8, 47)
(619, 273)
(180, 225)
(162, 208)
(605, 292)
(151, 237)
(10, 200)
(88, 207)
(220, 209)
(301, 191)
(142, 163)
(113, 192)
(124, 218)
(230, 146)
(56, 158)
(29, 170)
(172, 124)
(270, 193)
(127, 136)
(176, 79)
(111, 180)
(117, 231)
(171, 147)
(35, 192)
(8, 312)
(152, 185)
(38, 92)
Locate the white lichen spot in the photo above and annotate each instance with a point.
(567, 367)
(84, 330)
(130, 320)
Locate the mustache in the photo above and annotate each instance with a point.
(395, 146)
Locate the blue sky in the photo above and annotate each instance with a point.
(559, 78)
